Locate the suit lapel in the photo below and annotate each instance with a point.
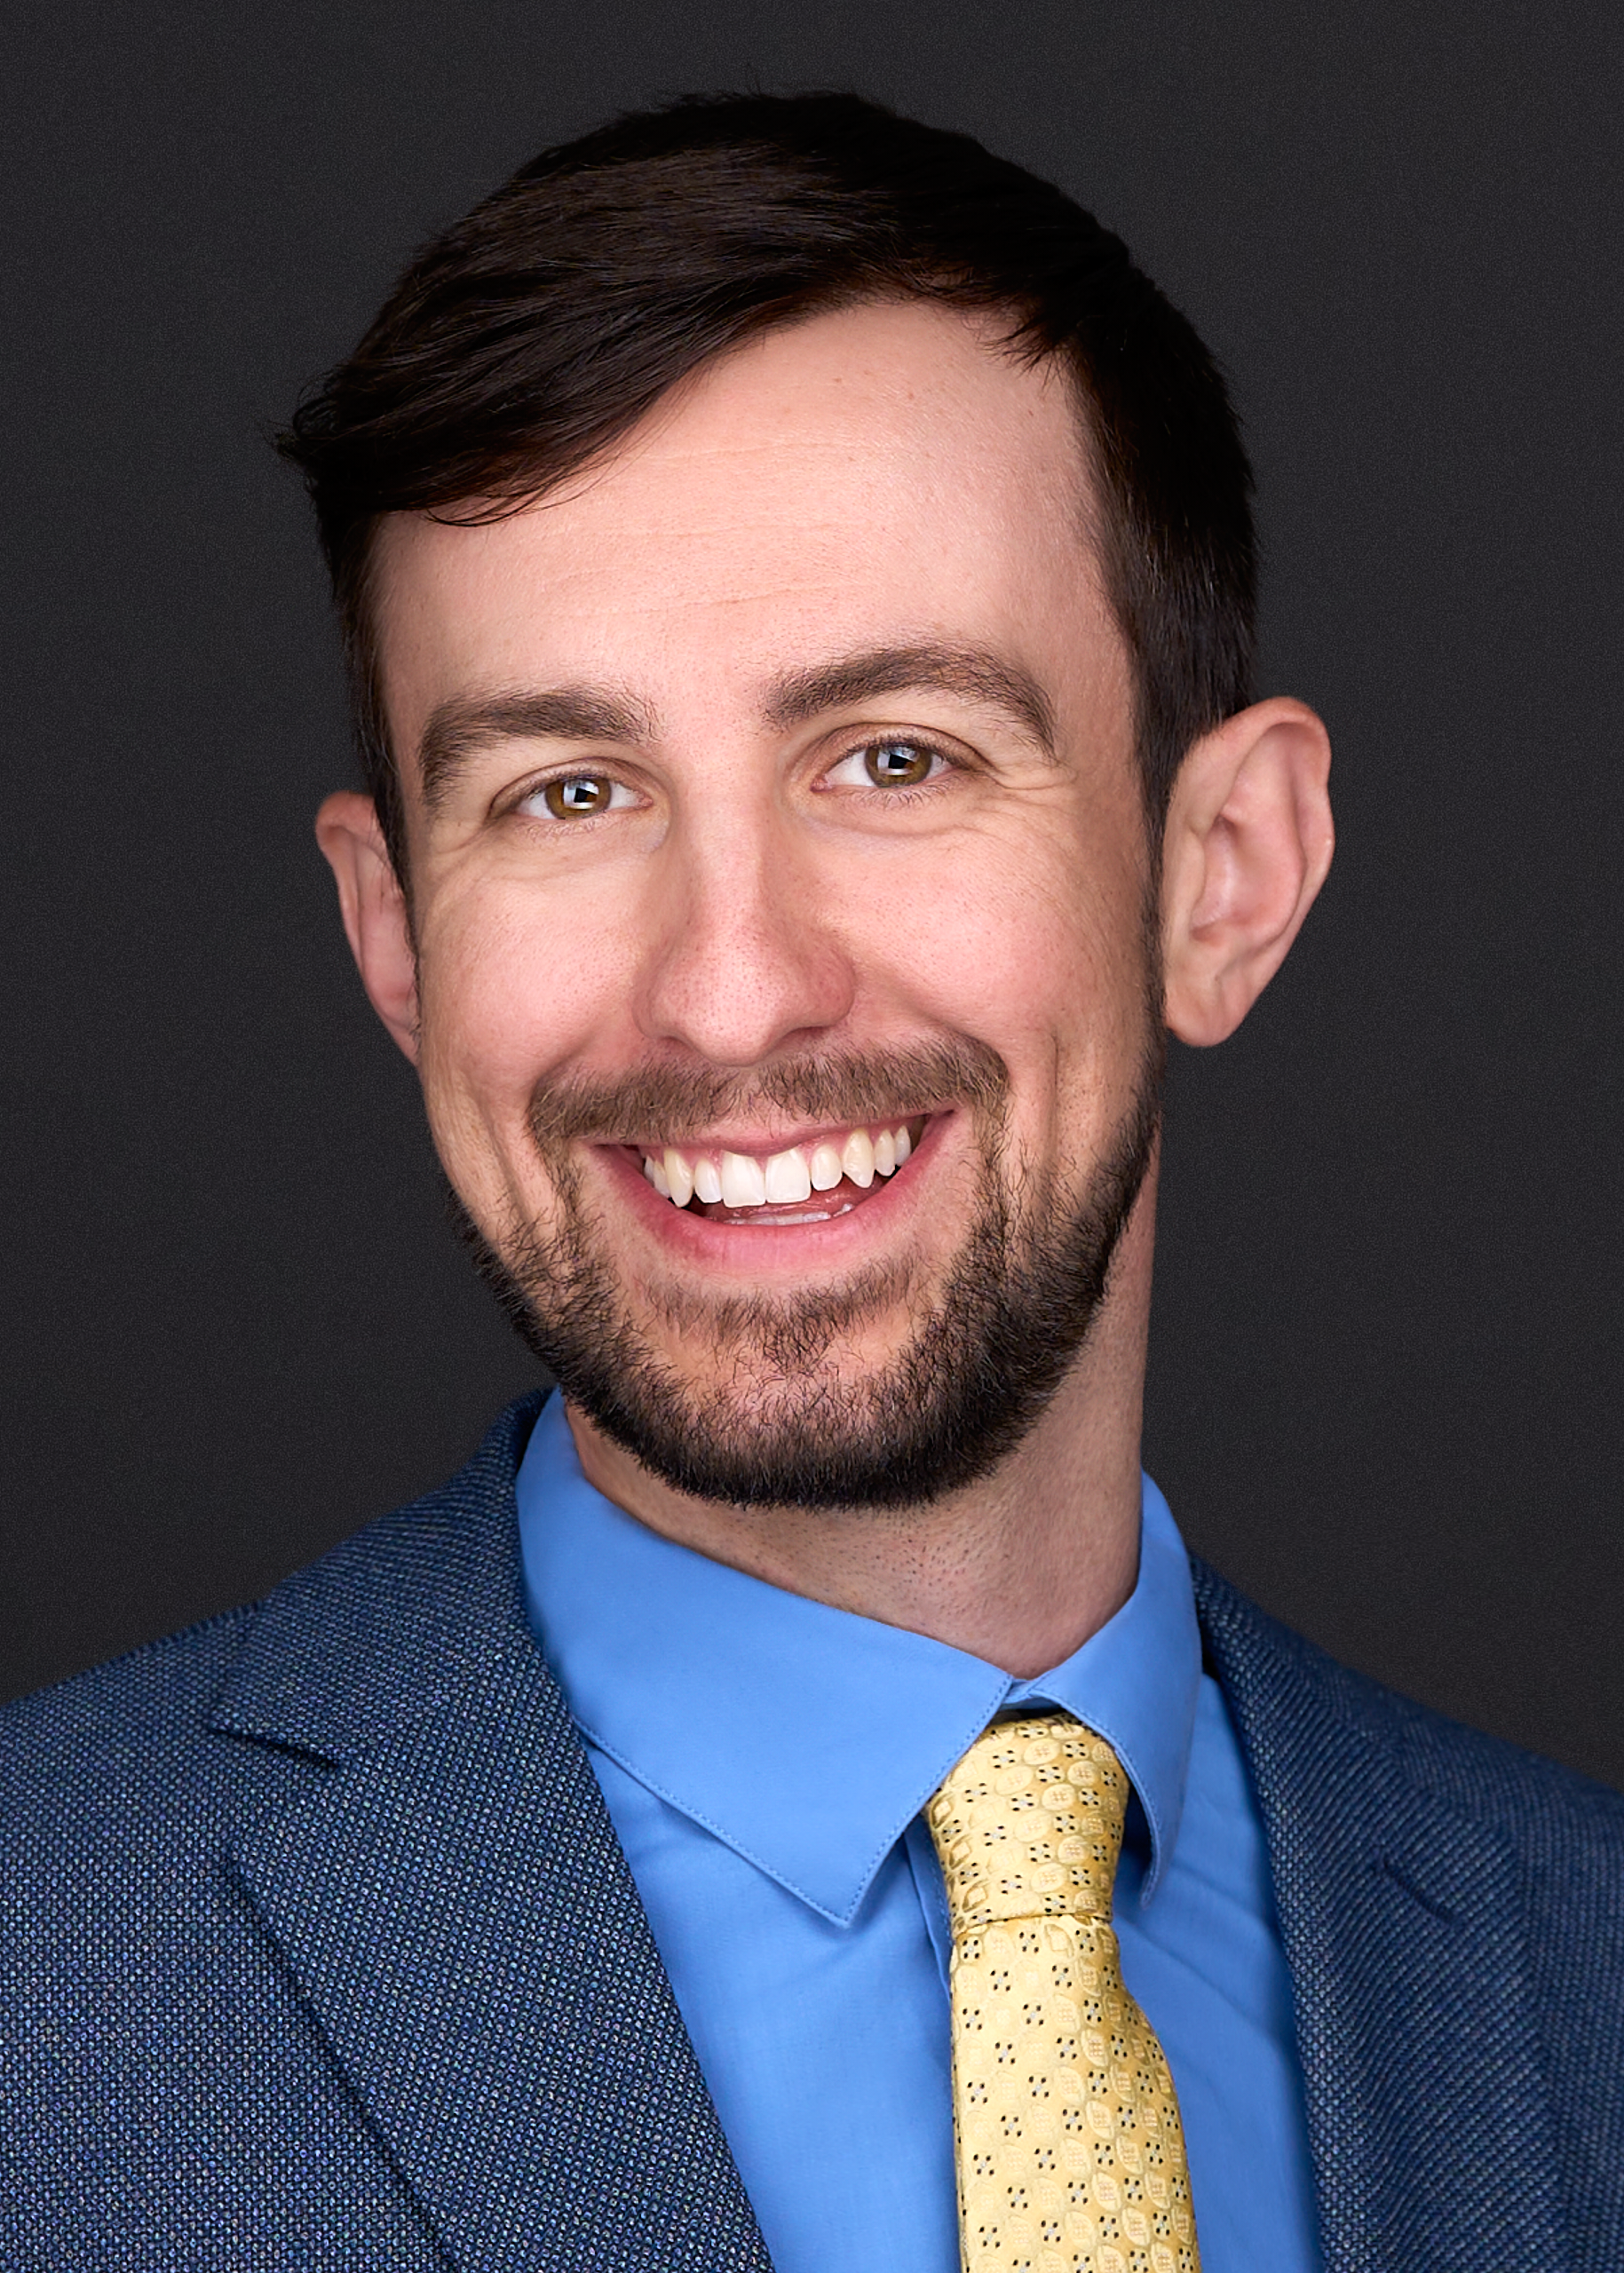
(451, 1898)
(1402, 1924)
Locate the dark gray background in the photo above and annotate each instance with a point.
(1384, 1395)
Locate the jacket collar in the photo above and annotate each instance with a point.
(1402, 1924)
(450, 1895)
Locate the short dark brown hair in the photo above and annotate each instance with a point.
(532, 335)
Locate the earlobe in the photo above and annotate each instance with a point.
(374, 908)
(1248, 846)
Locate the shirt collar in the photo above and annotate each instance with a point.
(805, 1737)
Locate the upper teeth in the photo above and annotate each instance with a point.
(742, 1180)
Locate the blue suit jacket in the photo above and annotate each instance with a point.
(319, 1953)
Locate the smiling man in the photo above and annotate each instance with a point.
(792, 1800)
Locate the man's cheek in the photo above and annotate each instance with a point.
(509, 999)
(985, 966)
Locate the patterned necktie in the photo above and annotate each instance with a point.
(1070, 2150)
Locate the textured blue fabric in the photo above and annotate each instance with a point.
(765, 1759)
(317, 1951)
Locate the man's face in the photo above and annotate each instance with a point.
(776, 845)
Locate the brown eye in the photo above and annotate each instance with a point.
(577, 796)
(897, 765)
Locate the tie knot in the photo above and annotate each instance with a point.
(1029, 1825)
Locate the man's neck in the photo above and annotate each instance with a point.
(1019, 1569)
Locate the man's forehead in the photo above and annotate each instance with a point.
(880, 478)
(908, 408)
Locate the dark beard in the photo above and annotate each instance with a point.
(981, 1363)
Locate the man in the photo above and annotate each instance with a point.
(791, 1801)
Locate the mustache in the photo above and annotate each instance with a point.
(674, 1103)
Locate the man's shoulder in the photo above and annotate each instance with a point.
(119, 1743)
(1294, 1702)
(1453, 1912)
(131, 1746)
(268, 1892)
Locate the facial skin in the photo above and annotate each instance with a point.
(857, 547)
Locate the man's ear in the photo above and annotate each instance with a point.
(374, 907)
(1248, 846)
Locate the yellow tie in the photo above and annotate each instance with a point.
(1070, 2150)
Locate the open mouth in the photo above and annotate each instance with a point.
(803, 1184)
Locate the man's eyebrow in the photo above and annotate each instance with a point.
(465, 724)
(977, 674)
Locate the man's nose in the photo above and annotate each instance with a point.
(745, 958)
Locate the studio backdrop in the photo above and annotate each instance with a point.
(1385, 1384)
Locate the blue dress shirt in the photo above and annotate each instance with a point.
(764, 1760)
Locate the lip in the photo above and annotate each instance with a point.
(769, 1253)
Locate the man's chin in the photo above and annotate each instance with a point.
(847, 1401)
(819, 1442)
